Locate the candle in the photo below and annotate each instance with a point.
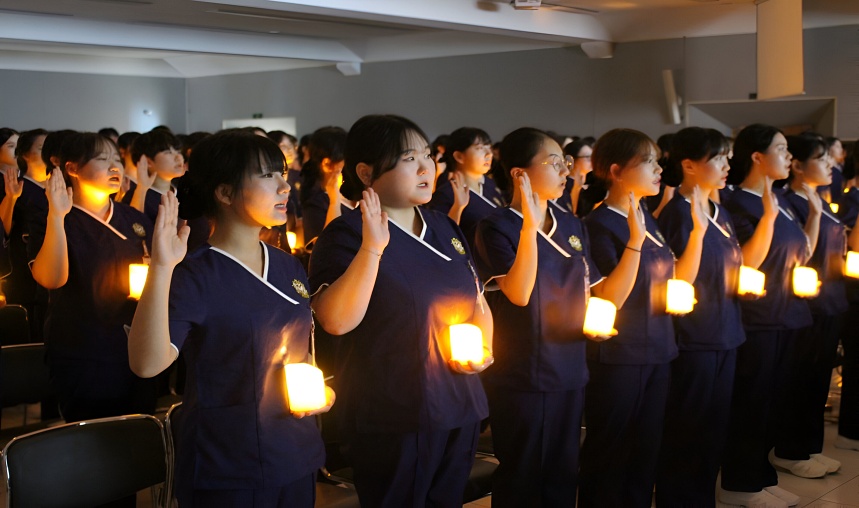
(599, 317)
(751, 281)
(680, 297)
(833, 207)
(851, 268)
(305, 387)
(805, 283)
(136, 279)
(291, 239)
(466, 343)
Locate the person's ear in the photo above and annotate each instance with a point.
(325, 165)
(459, 157)
(687, 166)
(614, 171)
(757, 158)
(71, 168)
(365, 173)
(516, 173)
(224, 194)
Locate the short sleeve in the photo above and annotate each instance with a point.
(335, 249)
(604, 246)
(495, 251)
(186, 306)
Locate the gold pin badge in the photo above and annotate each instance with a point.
(139, 230)
(457, 245)
(575, 243)
(299, 288)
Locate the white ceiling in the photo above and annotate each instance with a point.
(192, 38)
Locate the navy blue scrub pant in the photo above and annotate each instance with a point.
(300, 493)
(536, 437)
(762, 365)
(624, 412)
(417, 469)
(799, 417)
(696, 427)
(848, 416)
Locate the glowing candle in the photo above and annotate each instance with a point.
(805, 283)
(680, 297)
(599, 317)
(339, 180)
(751, 281)
(291, 238)
(833, 207)
(136, 279)
(466, 343)
(851, 268)
(305, 387)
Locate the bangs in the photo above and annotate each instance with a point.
(270, 158)
(410, 135)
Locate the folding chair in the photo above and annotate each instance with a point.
(24, 379)
(85, 463)
(14, 325)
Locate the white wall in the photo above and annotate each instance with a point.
(89, 102)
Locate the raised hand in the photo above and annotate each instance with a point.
(169, 239)
(14, 187)
(635, 221)
(699, 203)
(471, 367)
(460, 190)
(333, 181)
(770, 201)
(144, 178)
(375, 223)
(59, 196)
(531, 212)
(815, 203)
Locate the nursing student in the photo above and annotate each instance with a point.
(702, 375)
(465, 193)
(321, 200)
(239, 311)
(82, 257)
(390, 278)
(537, 257)
(799, 427)
(774, 242)
(8, 166)
(848, 419)
(630, 373)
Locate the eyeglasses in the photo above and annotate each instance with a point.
(558, 163)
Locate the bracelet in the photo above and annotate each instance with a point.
(634, 250)
(371, 251)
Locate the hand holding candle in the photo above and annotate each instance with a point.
(467, 350)
(751, 282)
(680, 297)
(306, 391)
(805, 283)
(599, 319)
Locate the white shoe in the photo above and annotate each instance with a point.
(803, 468)
(788, 497)
(832, 465)
(762, 499)
(846, 443)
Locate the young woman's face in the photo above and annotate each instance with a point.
(708, 174)
(641, 175)
(288, 150)
(816, 171)
(168, 164)
(7, 151)
(410, 183)
(776, 160)
(836, 151)
(34, 156)
(476, 159)
(582, 161)
(262, 199)
(101, 174)
(548, 171)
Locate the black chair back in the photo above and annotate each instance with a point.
(85, 463)
(24, 375)
(14, 326)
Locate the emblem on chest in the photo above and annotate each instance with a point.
(575, 242)
(139, 230)
(299, 288)
(457, 245)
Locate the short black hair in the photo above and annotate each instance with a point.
(753, 138)
(520, 147)
(696, 144)
(152, 143)
(459, 141)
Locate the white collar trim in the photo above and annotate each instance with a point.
(551, 232)
(420, 238)
(264, 278)
(646, 232)
(104, 223)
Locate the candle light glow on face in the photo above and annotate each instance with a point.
(805, 283)
(137, 279)
(305, 387)
(751, 281)
(599, 317)
(466, 343)
(680, 297)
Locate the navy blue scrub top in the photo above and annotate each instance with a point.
(236, 330)
(779, 309)
(393, 371)
(645, 331)
(849, 207)
(293, 204)
(715, 323)
(5, 269)
(31, 212)
(314, 210)
(481, 203)
(200, 228)
(538, 347)
(86, 316)
(828, 257)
